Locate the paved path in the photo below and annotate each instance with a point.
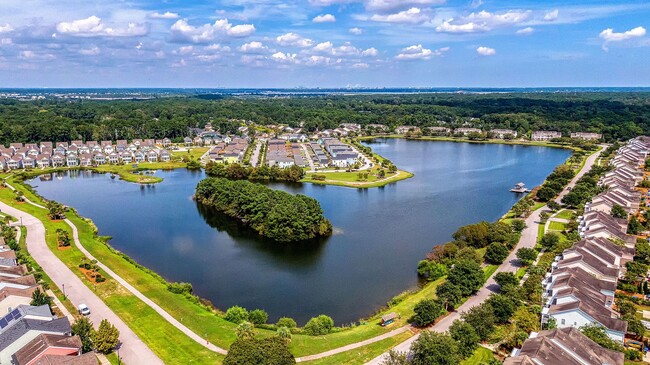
(256, 153)
(149, 302)
(133, 350)
(528, 239)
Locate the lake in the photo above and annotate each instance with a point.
(380, 233)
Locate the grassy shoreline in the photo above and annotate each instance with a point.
(520, 142)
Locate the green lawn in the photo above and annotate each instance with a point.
(489, 270)
(556, 226)
(480, 356)
(540, 232)
(565, 214)
(351, 179)
(363, 354)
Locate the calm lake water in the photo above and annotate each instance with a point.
(381, 233)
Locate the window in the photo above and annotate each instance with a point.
(563, 321)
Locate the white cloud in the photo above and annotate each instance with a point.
(355, 31)
(360, 65)
(608, 35)
(93, 51)
(33, 56)
(392, 5)
(285, 57)
(483, 21)
(165, 15)
(94, 27)
(526, 31)
(486, 51)
(216, 47)
(324, 18)
(185, 50)
(412, 15)
(324, 47)
(475, 4)
(253, 47)
(6, 28)
(318, 60)
(417, 52)
(183, 31)
(551, 15)
(370, 52)
(293, 40)
(6, 41)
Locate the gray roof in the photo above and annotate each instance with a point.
(15, 332)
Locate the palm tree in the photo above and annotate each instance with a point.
(246, 331)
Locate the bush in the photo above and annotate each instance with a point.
(236, 314)
(258, 316)
(496, 253)
(431, 270)
(287, 322)
(180, 288)
(268, 351)
(320, 325)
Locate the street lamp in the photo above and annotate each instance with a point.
(63, 285)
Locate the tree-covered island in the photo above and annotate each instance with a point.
(274, 214)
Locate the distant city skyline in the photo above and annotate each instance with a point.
(324, 43)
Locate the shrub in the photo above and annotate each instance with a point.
(320, 325)
(180, 288)
(258, 316)
(431, 270)
(236, 314)
(268, 351)
(287, 322)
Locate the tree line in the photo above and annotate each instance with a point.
(237, 171)
(271, 213)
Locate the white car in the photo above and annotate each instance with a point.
(84, 310)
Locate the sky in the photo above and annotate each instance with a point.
(324, 43)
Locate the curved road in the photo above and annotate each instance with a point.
(133, 350)
(528, 239)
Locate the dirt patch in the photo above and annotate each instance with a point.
(91, 275)
(64, 248)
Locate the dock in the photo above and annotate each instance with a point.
(520, 188)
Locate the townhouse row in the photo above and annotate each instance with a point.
(31, 334)
(80, 154)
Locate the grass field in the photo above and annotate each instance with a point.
(556, 226)
(363, 354)
(481, 356)
(565, 214)
(351, 179)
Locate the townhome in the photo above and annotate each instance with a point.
(165, 156)
(46, 145)
(166, 142)
(503, 133)
(406, 129)
(586, 136)
(58, 160)
(24, 324)
(113, 158)
(99, 158)
(467, 131)
(566, 346)
(15, 162)
(28, 162)
(566, 278)
(85, 160)
(53, 349)
(72, 160)
(588, 262)
(187, 141)
(545, 135)
(77, 143)
(439, 131)
(152, 156)
(139, 157)
(3, 162)
(126, 157)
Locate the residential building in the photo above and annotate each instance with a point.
(586, 135)
(545, 135)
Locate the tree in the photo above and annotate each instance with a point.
(467, 275)
(435, 348)
(106, 337)
(618, 212)
(83, 328)
(468, 253)
(482, 319)
(518, 225)
(41, 298)
(245, 331)
(526, 255)
(625, 307)
(286, 322)
(427, 311)
(550, 240)
(268, 351)
(598, 334)
(502, 307)
(450, 294)
(506, 278)
(635, 270)
(524, 320)
(258, 316)
(496, 253)
(642, 251)
(636, 327)
(56, 210)
(553, 205)
(634, 226)
(546, 193)
(320, 325)
(476, 235)
(431, 270)
(465, 335)
(236, 314)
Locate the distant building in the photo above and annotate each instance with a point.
(503, 133)
(439, 131)
(466, 131)
(406, 129)
(545, 135)
(586, 136)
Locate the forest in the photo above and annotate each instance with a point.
(275, 214)
(619, 116)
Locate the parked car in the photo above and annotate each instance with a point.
(84, 310)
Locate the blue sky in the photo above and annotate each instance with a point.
(323, 43)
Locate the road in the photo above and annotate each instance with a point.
(528, 239)
(255, 156)
(133, 350)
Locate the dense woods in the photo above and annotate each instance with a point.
(274, 214)
(616, 115)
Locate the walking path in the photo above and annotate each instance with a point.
(528, 239)
(132, 349)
